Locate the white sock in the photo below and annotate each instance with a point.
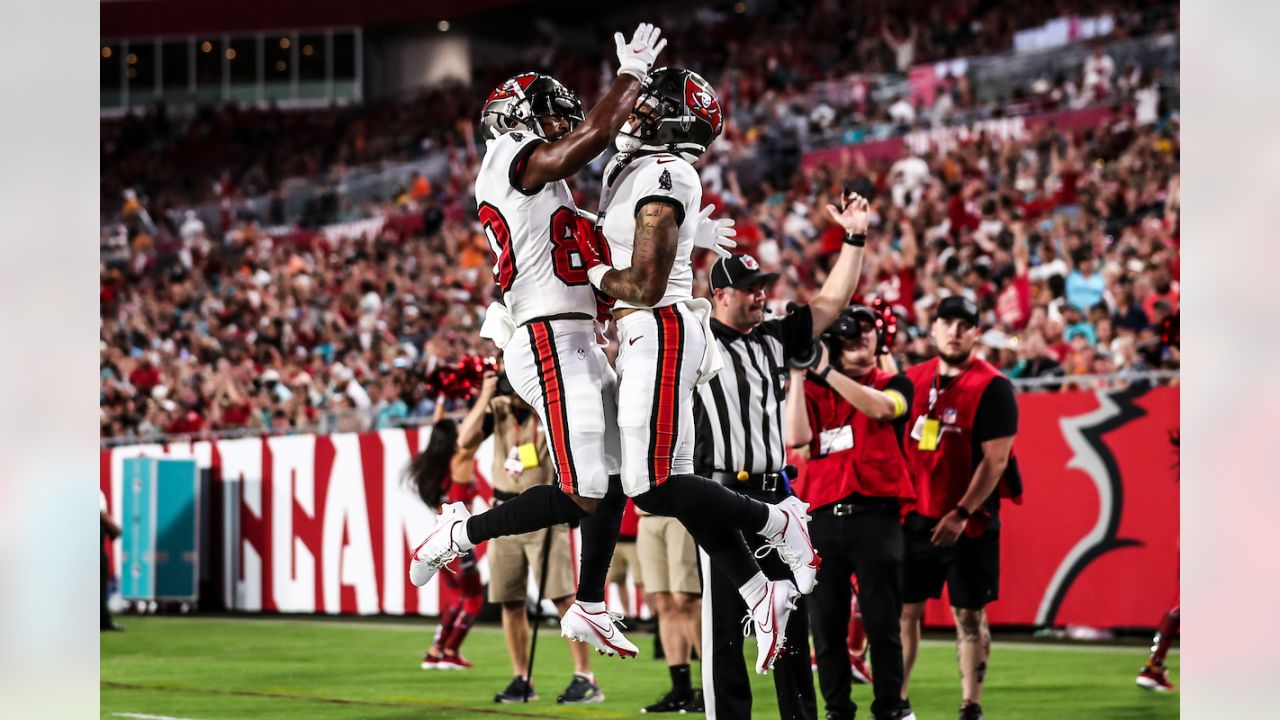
(754, 588)
(777, 520)
(460, 537)
(593, 607)
(589, 677)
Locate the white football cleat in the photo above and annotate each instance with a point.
(769, 617)
(446, 542)
(598, 628)
(794, 546)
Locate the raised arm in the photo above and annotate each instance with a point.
(558, 160)
(471, 429)
(875, 404)
(838, 289)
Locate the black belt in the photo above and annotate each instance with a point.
(742, 480)
(859, 504)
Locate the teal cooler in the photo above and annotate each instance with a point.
(161, 530)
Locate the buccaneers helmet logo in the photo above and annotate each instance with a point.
(512, 88)
(702, 103)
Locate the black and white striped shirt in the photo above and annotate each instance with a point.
(739, 414)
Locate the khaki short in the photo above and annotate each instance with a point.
(624, 561)
(513, 559)
(668, 557)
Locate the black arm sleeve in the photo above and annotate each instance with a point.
(997, 412)
(901, 384)
(795, 331)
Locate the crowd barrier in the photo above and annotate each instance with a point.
(325, 523)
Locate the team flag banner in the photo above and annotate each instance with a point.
(325, 523)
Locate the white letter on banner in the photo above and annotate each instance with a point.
(242, 490)
(405, 521)
(345, 508)
(293, 567)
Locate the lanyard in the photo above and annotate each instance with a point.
(935, 393)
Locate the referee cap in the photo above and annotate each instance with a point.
(738, 271)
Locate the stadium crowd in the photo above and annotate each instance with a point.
(776, 57)
(1067, 239)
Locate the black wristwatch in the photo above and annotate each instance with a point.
(855, 239)
(964, 514)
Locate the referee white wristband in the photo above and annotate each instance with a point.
(596, 275)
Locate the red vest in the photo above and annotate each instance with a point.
(941, 477)
(874, 466)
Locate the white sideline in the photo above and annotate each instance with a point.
(144, 716)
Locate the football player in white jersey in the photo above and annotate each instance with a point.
(651, 198)
(545, 325)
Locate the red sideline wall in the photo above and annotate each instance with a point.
(325, 524)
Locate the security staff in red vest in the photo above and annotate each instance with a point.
(852, 416)
(963, 420)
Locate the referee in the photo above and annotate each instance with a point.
(739, 431)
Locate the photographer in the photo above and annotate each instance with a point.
(520, 461)
(852, 417)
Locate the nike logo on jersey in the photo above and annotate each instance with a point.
(633, 340)
(666, 160)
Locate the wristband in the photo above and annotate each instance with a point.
(855, 239)
(823, 375)
(964, 514)
(596, 275)
(637, 74)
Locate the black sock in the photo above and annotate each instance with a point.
(680, 680)
(599, 536)
(539, 507)
(692, 497)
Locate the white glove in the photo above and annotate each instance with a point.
(716, 234)
(636, 58)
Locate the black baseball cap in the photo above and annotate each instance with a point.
(958, 306)
(738, 271)
(849, 323)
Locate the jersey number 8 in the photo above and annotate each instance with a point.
(566, 260)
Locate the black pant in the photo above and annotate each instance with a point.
(728, 694)
(867, 543)
(104, 614)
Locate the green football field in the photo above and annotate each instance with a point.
(250, 669)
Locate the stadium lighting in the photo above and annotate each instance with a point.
(206, 46)
(443, 26)
(106, 52)
(284, 43)
(231, 54)
(307, 50)
(133, 59)
(281, 66)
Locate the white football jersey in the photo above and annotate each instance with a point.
(662, 177)
(539, 269)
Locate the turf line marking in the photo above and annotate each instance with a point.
(313, 698)
(144, 716)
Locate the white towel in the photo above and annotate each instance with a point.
(712, 362)
(498, 325)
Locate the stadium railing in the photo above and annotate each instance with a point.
(358, 420)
